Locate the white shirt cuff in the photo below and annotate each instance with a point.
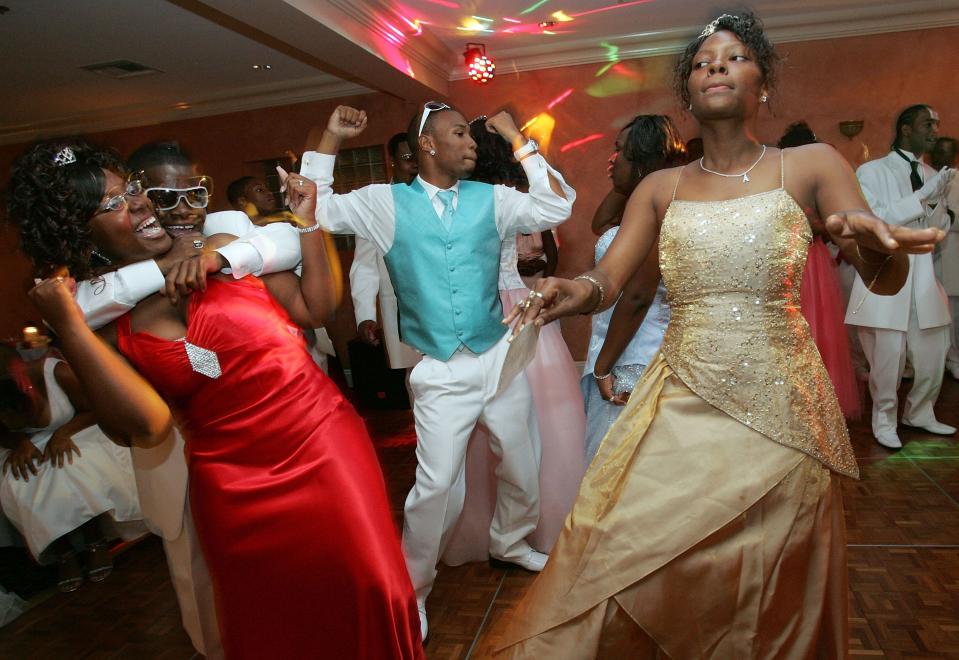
(243, 259)
(138, 281)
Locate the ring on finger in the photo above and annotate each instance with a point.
(536, 294)
(198, 244)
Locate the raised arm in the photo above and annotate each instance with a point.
(876, 249)
(126, 406)
(367, 212)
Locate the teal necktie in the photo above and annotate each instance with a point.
(446, 196)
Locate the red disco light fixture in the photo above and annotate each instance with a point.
(479, 67)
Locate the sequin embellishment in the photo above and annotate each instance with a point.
(737, 337)
(202, 360)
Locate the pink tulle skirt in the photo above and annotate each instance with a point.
(562, 426)
(822, 305)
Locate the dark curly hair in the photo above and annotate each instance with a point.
(796, 135)
(748, 29)
(494, 158)
(52, 204)
(653, 143)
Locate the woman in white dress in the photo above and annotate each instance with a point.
(64, 484)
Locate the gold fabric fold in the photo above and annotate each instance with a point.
(710, 539)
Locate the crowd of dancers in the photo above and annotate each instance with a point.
(679, 499)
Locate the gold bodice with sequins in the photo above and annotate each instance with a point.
(737, 337)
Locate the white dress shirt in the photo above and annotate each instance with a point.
(259, 250)
(370, 214)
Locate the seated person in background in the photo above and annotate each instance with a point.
(64, 484)
(252, 196)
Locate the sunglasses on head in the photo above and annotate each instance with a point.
(428, 107)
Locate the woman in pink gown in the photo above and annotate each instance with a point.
(822, 300)
(286, 491)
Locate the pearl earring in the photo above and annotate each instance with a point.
(432, 152)
(763, 98)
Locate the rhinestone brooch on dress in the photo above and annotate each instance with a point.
(203, 361)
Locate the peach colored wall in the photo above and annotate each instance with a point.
(822, 82)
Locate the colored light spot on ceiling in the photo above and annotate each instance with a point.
(533, 7)
(609, 7)
(445, 3)
(624, 78)
(580, 142)
(561, 16)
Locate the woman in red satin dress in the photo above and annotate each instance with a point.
(286, 491)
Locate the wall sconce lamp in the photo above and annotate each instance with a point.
(851, 127)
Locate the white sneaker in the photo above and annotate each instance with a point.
(888, 439)
(424, 628)
(933, 427)
(532, 561)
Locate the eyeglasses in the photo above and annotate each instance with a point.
(117, 202)
(428, 107)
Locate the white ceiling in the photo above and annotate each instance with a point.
(206, 48)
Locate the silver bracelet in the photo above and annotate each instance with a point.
(602, 377)
(308, 230)
(599, 287)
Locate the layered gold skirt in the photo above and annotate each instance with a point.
(693, 536)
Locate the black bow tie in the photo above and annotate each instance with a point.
(914, 177)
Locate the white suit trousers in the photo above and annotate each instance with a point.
(886, 351)
(449, 399)
(952, 357)
(194, 590)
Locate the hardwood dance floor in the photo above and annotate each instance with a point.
(902, 518)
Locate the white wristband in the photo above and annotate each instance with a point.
(527, 149)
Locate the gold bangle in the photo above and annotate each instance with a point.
(599, 287)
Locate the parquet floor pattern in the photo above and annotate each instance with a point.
(903, 533)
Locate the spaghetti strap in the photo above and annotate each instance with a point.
(782, 169)
(676, 187)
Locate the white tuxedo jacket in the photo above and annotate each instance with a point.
(885, 185)
(369, 277)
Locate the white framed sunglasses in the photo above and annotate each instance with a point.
(196, 196)
(428, 107)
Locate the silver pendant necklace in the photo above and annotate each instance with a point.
(744, 175)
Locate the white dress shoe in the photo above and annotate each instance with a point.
(532, 561)
(933, 427)
(424, 629)
(888, 439)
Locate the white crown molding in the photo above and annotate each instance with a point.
(263, 96)
(863, 21)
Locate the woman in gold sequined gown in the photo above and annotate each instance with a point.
(710, 523)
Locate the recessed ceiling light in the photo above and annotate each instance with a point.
(182, 105)
(262, 67)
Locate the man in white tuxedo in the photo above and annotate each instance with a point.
(902, 190)
(947, 255)
(179, 204)
(369, 278)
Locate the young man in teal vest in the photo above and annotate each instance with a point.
(441, 240)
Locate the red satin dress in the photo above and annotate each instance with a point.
(286, 491)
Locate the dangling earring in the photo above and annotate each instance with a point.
(689, 107)
(106, 260)
(763, 98)
(432, 152)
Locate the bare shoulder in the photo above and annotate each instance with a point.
(812, 156)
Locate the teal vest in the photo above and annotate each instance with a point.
(446, 283)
